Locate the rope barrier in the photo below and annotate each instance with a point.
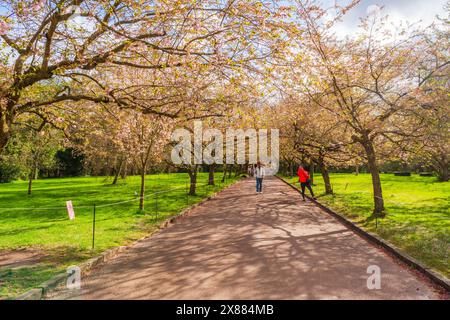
(100, 206)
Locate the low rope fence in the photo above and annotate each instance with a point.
(99, 218)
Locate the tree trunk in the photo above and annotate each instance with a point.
(357, 170)
(4, 137)
(5, 126)
(443, 174)
(376, 182)
(30, 183)
(211, 175)
(440, 166)
(193, 180)
(142, 193)
(31, 176)
(229, 172)
(237, 169)
(311, 172)
(124, 172)
(326, 179)
(225, 166)
(118, 171)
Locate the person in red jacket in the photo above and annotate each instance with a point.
(305, 181)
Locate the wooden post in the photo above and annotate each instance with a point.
(93, 230)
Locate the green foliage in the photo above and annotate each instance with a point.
(70, 164)
(30, 150)
(8, 172)
(39, 148)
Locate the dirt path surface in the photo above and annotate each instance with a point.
(20, 258)
(243, 245)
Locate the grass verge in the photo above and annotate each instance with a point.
(43, 225)
(418, 212)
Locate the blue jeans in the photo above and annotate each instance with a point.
(259, 184)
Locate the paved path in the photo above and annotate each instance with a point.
(243, 245)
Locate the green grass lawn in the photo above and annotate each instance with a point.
(418, 212)
(65, 242)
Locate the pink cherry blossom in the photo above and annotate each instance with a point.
(4, 27)
(38, 5)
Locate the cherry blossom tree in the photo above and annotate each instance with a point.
(77, 45)
(370, 80)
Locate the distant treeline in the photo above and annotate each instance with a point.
(388, 167)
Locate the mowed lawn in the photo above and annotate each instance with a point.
(40, 222)
(418, 212)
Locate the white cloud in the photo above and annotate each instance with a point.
(373, 9)
(421, 12)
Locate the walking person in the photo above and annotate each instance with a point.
(305, 181)
(251, 170)
(259, 174)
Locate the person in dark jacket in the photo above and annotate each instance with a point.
(305, 181)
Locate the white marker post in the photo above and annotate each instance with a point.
(70, 210)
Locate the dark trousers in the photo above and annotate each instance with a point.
(304, 185)
(259, 184)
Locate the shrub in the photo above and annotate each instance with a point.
(8, 172)
(402, 173)
(426, 174)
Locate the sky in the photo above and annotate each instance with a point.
(397, 10)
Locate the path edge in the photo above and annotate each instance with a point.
(39, 292)
(432, 275)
